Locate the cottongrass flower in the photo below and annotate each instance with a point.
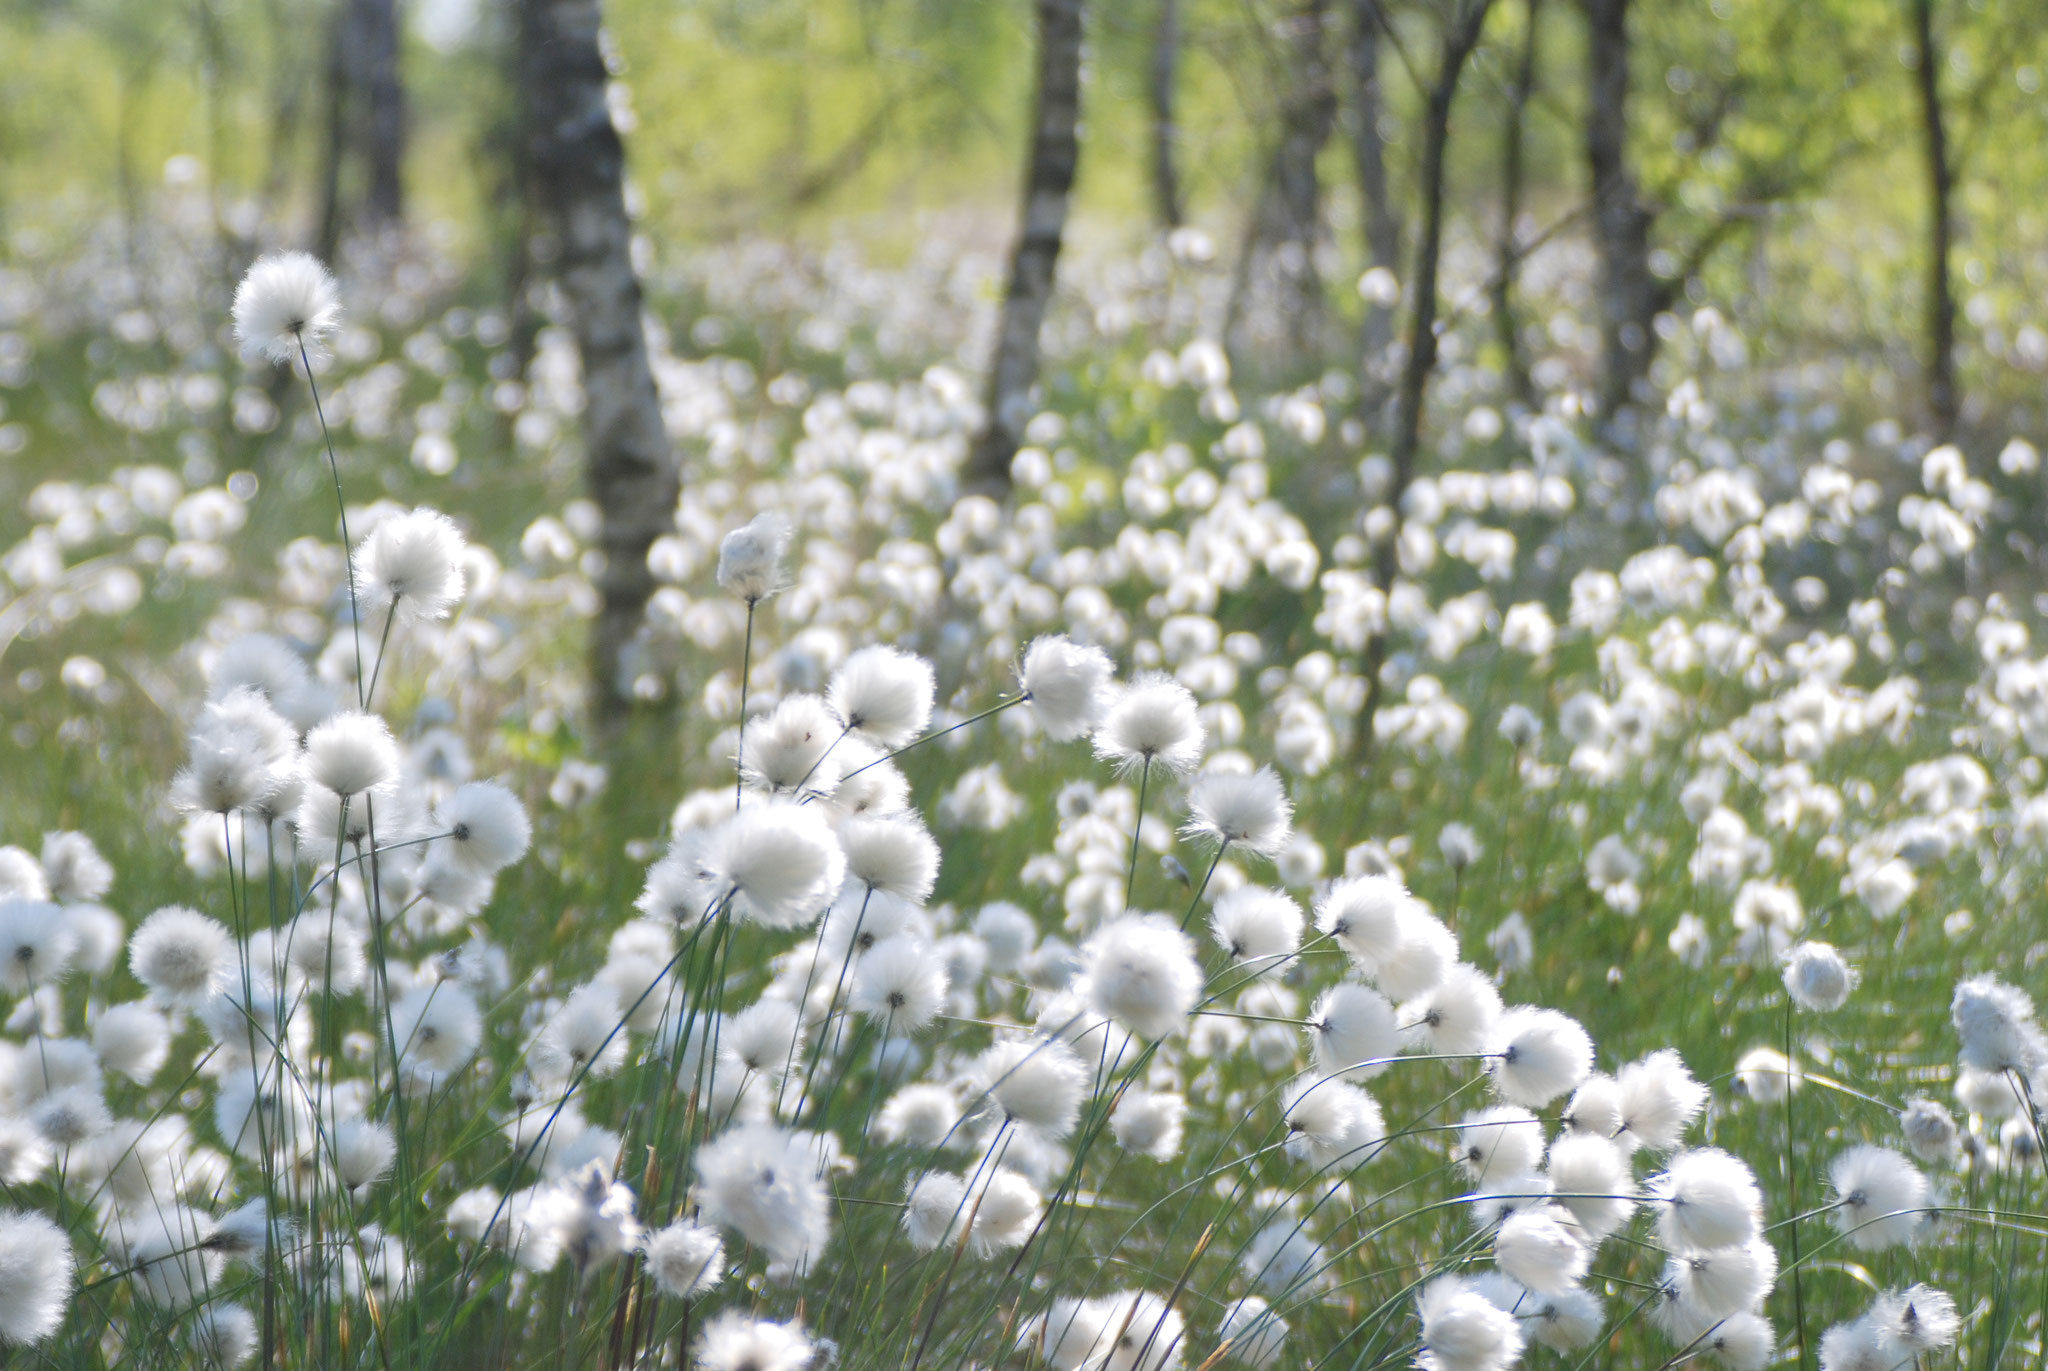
(685, 1259)
(900, 981)
(225, 1335)
(411, 566)
(1462, 1330)
(242, 756)
(736, 1341)
(1140, 971)
(893, 853)
(1247, 812)
(883, 695)
(1152, 722)
(1657, 1100)
(1149, 1122)
(37, 944)
(1458, 1014)
(1067, 686)
(1882, 1197)
(1718, 1281)
(1592, 1179)
(486, 826)
(922, 1114)
(786, 748)
(1931, 1132)
(1256, 925)
(1498, 1143)
(181, 956)
(1135, 1331)
(762, 1183)
(1330, 1123)
(1996, 1024)
(438, 1027)
(750, 558)
(1708, 1198)
(1353, 1032)
(1817, 977)
(778, 862)
(1537, 1055)
(1036, 1083)
(1916, 1320)
(934, 1204)
(351, 753)
(73, 868)
(286, 302)
(1540, 1249)
(133, 1039)
(35, 1276)
(1567, 1321)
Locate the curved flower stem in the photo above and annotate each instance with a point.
(348, 551)
(1201, 889)
(383, 643)
(1137, 829)
(739, 755)
(1792, 1198)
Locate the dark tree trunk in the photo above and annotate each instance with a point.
(1369, 160)
(1311, 113)
(1507, 256)
(365, 120)
(1165, 133)
(384, 112)
(579, 174)
(1942, 401)
(1461, 36)
(1048, 183)
(1628, 293)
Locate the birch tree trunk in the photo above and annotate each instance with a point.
(578, 166)
(1507, 254)
(1048, 184)
(1369, 159)
(1166, 201)
(1628, 292)
(1942, 402)
(366, 121)
(384, 111)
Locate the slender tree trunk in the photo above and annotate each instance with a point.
(327, 235)
(1369, 160)
(1621, 222)
(1048, 183)
(1165, 133)
(579, 174)
(384, 111)
(1942, 401)
(1507, 255)
(1461, 36)
(1310, 114)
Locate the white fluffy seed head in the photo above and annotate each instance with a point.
(883, 694)
(1037, 1083)
(750, 558)
(1068, 685)
(1149, 1122)
(181, 956)
(1364, 915)
(1498, 1142)
(243, 755)
(1458, 1014)
(736, 1341)
(350, 753)
(1659, 1100)
(133, 1039)
(438, 1027)
(1916, 1320)
(780, 861)
(1462, 1330)
(286, 300)
(1817, 977)
(1719, 1281)
(893, 853)
(73, 869)
(1541, 1248)
(1709, 1199)
(486, 825)
(933, 1204)
(1246, 813)
(900, 982)
(1930, 1130)
(1996, 1024)
(762, 1182)
(1254, 1334)
(793, 748)
(1883, 1197)
(38, 944)
(1152, 722)
(1591, 1178)
(1353, 1031)
(1258, 926)
(1140, 971)
(686, 1259)
(410, 566)
(1540, 1054)
(35, 1276)
(1330, 1124)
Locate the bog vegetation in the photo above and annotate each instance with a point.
(779, 808)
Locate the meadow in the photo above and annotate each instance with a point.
(1005, 934)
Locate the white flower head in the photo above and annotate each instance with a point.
(1140, 971)
(883, 695)
(35, 1276)
(1067, 684)
(286, 301)
(411, 565)
(1817, 977)
(181, 956)
(779, 862)
(1249, 813)
(487, 826)
(750, 558)
(685, 1259)
(1462, 1330)
(1152, 722)
(1883, 1197)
